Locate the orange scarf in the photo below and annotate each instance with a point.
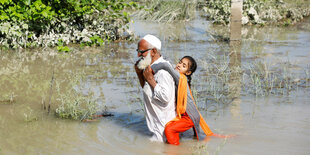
(182, 102)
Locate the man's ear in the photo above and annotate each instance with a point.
(188, 73)
(153, 52)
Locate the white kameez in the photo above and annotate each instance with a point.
(160, 104)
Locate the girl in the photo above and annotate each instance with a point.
(188, 115)
(187, 66)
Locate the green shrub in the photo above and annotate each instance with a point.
(61, 47)
(29, 23)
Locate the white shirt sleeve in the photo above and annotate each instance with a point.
(163, 91)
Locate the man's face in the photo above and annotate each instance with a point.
(145, 54)
(145, 61)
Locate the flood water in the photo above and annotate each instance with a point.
(274, 124)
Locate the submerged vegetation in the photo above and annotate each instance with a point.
(25, 74)
(73, 103)
(44, 22)
(7, 98)
(29, 116)
(60, 80)
(223, 81)
(32, 83)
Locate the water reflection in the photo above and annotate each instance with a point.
(235, 56)
(235, 76)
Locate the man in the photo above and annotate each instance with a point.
(158, 89)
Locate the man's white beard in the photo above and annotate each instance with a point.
(145, 61)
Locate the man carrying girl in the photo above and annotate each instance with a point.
(166, 115)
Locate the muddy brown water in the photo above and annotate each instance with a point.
(276, 124)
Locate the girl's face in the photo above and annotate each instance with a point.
(183, 66)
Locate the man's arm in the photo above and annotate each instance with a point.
(149, 77)
(167, 67)
(163, 88)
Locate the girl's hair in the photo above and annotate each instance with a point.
(192, 68)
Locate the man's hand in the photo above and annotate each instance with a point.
(149, 77)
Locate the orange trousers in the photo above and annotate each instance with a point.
(173, 129)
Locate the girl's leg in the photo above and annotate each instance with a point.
(173, 129)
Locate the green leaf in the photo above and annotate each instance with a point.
(4, 16)
(125, 14)
(66, 49)
(44, 13)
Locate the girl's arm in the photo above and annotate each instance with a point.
(167, 67)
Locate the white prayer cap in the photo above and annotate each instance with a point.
(153, 41)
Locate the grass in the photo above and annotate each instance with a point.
(200, 149)
(28, 75)
(8, 98)
(266, 81)
(167, 11)
(29, 116)
(73, 103)
(222, 82)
